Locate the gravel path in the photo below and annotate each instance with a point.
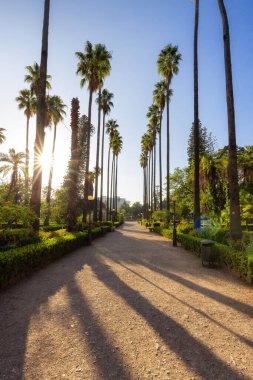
(128, 307)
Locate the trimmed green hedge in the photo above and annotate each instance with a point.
(238, 261)
(18, 262)
(18, 237)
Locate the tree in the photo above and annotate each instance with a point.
(235, 217)
(2, 135)
(196, 209)
(27, 102)
(35, 201)
(56, 114)
(33, 78)
(105, 103)
(160, 96)
(12, 163)
(111, 128)
(116, 146)
(93, 67)
(207, 142)
(73, 167)
(168, 62)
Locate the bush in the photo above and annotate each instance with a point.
(18, 237)
(12, 215)
(53, 227)
(239, 261)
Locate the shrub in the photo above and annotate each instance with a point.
(53, 227)
(13, 215)
(18, 237)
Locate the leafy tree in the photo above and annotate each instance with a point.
(207, 142)
(168, 65)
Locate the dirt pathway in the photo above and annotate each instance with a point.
(129, 307)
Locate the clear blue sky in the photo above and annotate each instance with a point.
(135, 32)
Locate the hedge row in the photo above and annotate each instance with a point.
(226, 256)
(18, 237)
(16, 263)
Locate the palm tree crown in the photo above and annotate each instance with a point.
(27, 102)
(93, 66)
(33, 78)
(168, 62)
(2, 135)
(105, 101)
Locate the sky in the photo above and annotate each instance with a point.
(134, 31)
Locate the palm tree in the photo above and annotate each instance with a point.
(196, 211)
(12, 164)
(40, 123)
(105, 104)
(33, 78)
(27, 102)
(116, 146)
(154, 117)
(93, 66)
(73, 167)
(235, 217)
(56, 113)
(160, 95)
(2, 135)
(111, 128)
(168, 62)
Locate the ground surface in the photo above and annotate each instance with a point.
(129, 307)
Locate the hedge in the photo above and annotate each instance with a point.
(18, 262)
(17, 237)
(238, 261)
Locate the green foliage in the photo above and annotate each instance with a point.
(161, 215)
(18, 237)
(11, 215)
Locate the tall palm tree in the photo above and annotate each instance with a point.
(105, 104)
(168, 63)
(154, 117)
(33, 78)
(73, 166)
(40, 123)
(56, 114)
(160, 95)
(93, 66)
(2, 135)
(235, 217)
(196, 210)
(27, 102)
(116, 146)
(111, 128)
(12, 163)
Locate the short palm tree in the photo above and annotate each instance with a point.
(2, 135)
(12, 164)
(33, 77)
(93, 66)
(35, 200)
(27, 102)
(168, 65)
(56, 112)
(105, 104)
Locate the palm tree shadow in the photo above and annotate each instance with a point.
(194, 354)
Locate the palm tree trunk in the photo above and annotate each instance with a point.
(160, 163)
(155, 174)
(168, 158)
(108, 184)
(27, 162)
(49, 187)
(116, 187)
(196, 212)
(86, 184)
(235, 217)
(152, 180)
(102, 171)
(111, 189)
(149, 195)
(97, 160)
(35, 201)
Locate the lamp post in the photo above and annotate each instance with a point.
(90, 199)
(174, 236)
